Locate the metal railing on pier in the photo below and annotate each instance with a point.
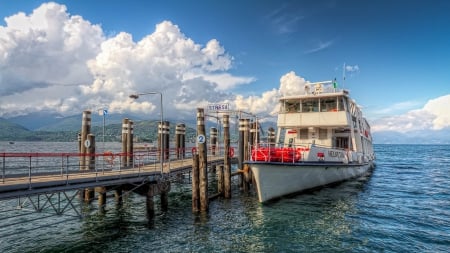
(40, 170)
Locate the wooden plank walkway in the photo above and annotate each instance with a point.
(17, 186)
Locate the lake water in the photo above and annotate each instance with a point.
(403, 206)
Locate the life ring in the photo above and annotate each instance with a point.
(108, 156)
(194, 150)
(231, 152)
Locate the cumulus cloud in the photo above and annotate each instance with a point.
(267, 104)
(63, 63)
(435, 115)
(46, 48)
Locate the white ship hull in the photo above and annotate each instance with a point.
(274, 180)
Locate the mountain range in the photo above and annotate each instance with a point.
(54, 127)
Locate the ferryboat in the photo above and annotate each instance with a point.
(322, 138)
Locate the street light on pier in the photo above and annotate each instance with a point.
(136, 96)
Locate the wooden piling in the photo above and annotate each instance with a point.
(220, 179)
(180, 132)
(213, 139)
(129, 151)
(166, 133)
(245, 168)
(89, 195)
(254, 136)
(124, 142)
(241, 148)
(149, 203)
(85, 130)
(101, 192)
(160, 140)
(90, 152)
(183, 141)
(79, 141)
(89, 156)
(164, 194)
(203, 162)
(195, 183)
(226, 160)
(118, 195)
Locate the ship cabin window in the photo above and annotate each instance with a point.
(291, 106)
(328, 105)
(342, 103)
(310, 105)
(323, 133)
(304, 133)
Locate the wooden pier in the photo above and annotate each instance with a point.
(147, 171)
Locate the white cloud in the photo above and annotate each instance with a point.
(291, 84)
(320, 46)
(349, 68)
(45, 48)
(54, 61)
(267, 103)
(435, 115)
(165, 61)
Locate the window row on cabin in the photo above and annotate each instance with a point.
(314, 105)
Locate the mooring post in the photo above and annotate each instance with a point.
(130, 143)
(245, 168)
(183, 140)
(85, 130)
(118, 195)
(213, 139)
(90, 152)
(252, 135)
(160, 141)
(220, 179)
(124, 142)
(150, 203)
(164, 194)
(195, 184)
(226, 160)
(179, 141)
(79, 141)
(203, 160)
(166, 133)
(101, 192)
(90, 163)
(241, 143)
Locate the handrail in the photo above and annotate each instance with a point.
(15, 165)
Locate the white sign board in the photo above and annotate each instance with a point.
(219, 107)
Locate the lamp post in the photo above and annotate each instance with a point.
(136, 96)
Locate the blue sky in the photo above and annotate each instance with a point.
(396, 52)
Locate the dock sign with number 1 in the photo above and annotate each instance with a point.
(201, 139)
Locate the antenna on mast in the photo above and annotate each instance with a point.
(343, 76)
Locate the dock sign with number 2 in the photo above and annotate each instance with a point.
(201, 139)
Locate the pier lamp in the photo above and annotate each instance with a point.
(136, 96)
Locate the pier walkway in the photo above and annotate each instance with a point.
(27, 174)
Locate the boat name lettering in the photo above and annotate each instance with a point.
(335, 154)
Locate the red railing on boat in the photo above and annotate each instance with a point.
(277, 154)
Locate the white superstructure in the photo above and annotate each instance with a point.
(322, 138)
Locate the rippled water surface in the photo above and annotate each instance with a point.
(403, 206)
